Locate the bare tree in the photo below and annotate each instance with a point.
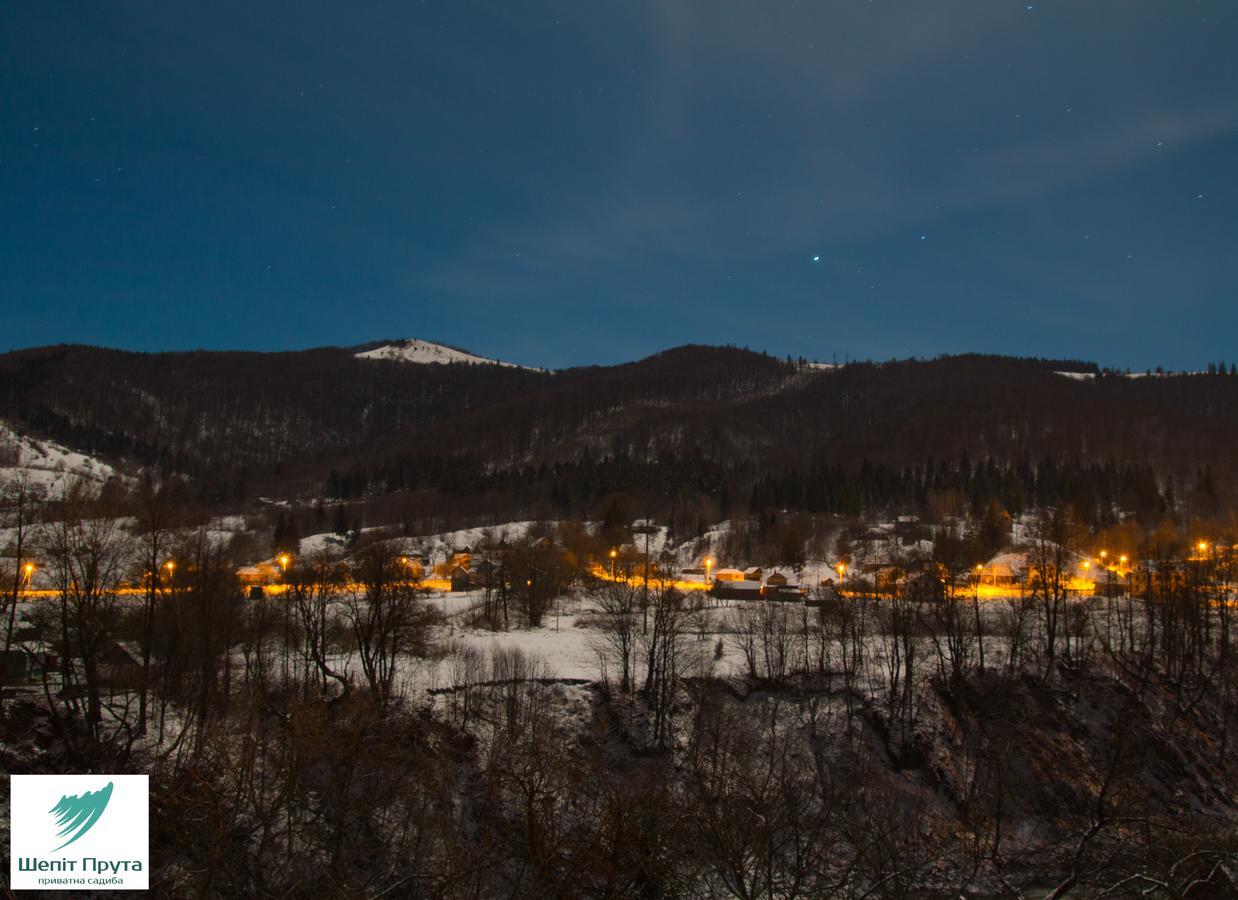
(312, 593)
(661, 649)
(619, 603)
(20, 500)
(388, 617)
(1051, 559)
(159, 507)
(88, 552)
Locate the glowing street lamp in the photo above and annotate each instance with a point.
(28, 569)
(842, 572)
(709, 564)
(613, 554)
(284, 560)
(1202, 547)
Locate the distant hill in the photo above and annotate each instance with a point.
(681, 423)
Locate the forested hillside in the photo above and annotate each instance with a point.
(721, 426)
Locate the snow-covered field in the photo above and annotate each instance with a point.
(49, 466)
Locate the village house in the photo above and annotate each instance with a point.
(737, 590)
(120, 665)
(693, 573)
(925, 587)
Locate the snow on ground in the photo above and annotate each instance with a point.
(49, 465)
(565, 650)
(229, 523)
(436, 546)
(426, 352)
(325, 544)
(441, 545)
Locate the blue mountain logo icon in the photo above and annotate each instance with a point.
(77, 815)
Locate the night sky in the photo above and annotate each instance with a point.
(578, 182)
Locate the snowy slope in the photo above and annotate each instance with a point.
(424, 352)
(48, 465)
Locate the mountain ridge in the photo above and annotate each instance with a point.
(283, 422)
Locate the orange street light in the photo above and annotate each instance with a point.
(1122, 559)
(1086, 565)
(28, 568)
(1103, 554)
(283, 559)
(613, 554)
(1202, 546)
(709, 564)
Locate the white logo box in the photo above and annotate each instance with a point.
(107, 830)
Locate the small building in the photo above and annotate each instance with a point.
(461, 579)
(737, 590)
(1111, 585)
(1006, 570)
(778, 587)
(457, 556)
(887, 578)
(925, 587)
(728, 575)
(825, 597)
(999, 574)
(412, 567)
(20, 665)
(259, 574)
(120, 665)
(753, 573)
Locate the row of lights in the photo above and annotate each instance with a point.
(709, 564)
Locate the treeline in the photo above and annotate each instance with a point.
(1098, 491)
(570, 485)
(590, 487)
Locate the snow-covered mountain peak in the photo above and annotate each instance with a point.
(422, 352)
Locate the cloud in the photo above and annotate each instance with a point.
(779, 128)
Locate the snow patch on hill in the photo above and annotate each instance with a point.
(426, 352)
(49, 466)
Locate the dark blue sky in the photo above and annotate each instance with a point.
(575, 182)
